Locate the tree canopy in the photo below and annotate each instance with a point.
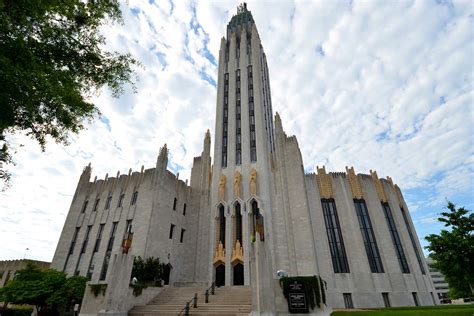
(453, 250)
(43, 288)
(52, 58)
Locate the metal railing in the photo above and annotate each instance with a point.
(194, 300)
(187, 307)
(206, 295)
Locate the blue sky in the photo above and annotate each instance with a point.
(376, 85)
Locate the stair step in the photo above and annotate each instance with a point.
(227, 301)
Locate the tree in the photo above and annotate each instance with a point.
(453, 251)
(43, 288)
(51, 60)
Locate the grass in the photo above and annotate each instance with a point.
(439, 310)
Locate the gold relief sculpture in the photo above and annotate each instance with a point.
(324, 183)
(222, 187)
(378, 186)
(237, 253)
(253, 182)
(237, 178)
(219, 256)
(354, 182)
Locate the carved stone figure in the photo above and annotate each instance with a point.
(237, 178)
(222, 187)
(253, 182)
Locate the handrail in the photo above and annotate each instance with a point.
(195, 299)
(206, 295)
(186, 307)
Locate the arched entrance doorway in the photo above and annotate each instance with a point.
(166, 273)
(220, 275)
(238, 274)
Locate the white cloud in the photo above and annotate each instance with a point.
(378, 86)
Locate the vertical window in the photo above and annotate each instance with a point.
(348, 300)
(120, 203)
(84, 206)
(395, 238)
(128, 227)
(238, 223)
(253, 141)
(95, 205)
(184, 209)
(174, 203)
(182, 235)
(386, 299)
(134, 198)
(171, 231)
(107, 203)
(99, 237)
(238, 142)
(415, 298)
(110, 244)
(222, 224)
(333, 230)
(83, 249)
(373, 255)
(71, 247)
(225, 120)
(413, 241)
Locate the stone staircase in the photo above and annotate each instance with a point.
(227, 301)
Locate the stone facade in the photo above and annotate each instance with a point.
(8, 268)
(252, 213)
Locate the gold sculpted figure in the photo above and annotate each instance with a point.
(221, 187)
(253, 182)
(237, 184)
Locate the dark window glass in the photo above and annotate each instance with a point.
(386, 299)
(95, 205)
(73, 242)
(110, 244)
(83, 249)
(348, 300)
(415, 298)
(171, 231)
(182, 235)
(99, 238)
(373, 255)
(134, 198)
(107, 203)
(413, 241)
(225, 121)
(222, 224)
(184, 209)
(333, 230)
(71, 247)
(238, 223)
(253, 145)
(174, 203)
(84, 206)
(120, 203)
(395, 238)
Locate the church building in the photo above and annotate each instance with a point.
(247, 213)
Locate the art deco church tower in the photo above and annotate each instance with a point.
(244, 142)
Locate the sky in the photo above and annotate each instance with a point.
(381, 85)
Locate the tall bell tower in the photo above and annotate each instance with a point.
(244, 143)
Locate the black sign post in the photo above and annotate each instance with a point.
(297, 300)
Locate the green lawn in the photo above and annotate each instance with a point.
(448, 310)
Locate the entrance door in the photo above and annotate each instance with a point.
(238, 274)
(220, 275)
(166, 273)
